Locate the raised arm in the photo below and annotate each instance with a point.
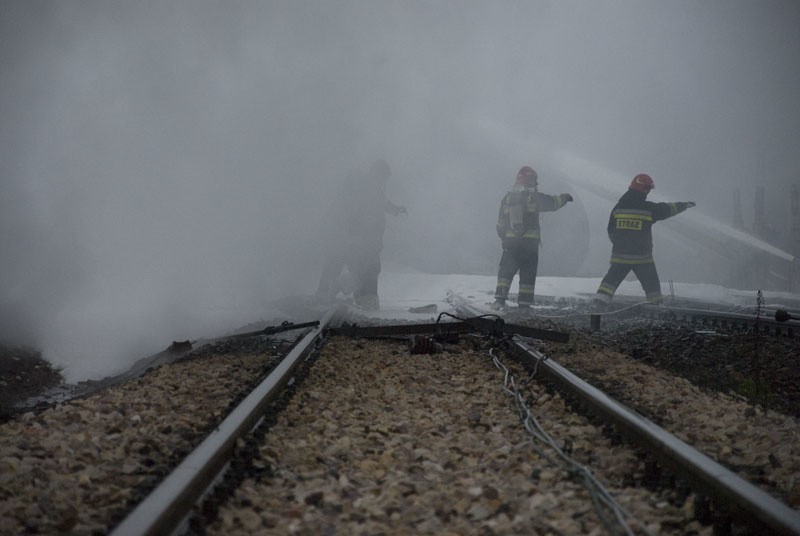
(550, 203)
(662, 211)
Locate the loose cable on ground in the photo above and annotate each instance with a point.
(607, 313)
(613, 516)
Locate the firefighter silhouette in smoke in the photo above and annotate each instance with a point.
(359, 223)
(630, 230)
(518, 228)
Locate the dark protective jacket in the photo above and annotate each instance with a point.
(630, 226)
(363, 213)
(519, 212)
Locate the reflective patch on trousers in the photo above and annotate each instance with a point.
(655, 297)
(606, 290)
(525, 294)
(501, 291)
(605, 298)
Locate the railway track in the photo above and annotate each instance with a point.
(80, 465)
(778, 322)
(381, 435)
(768, 319)
(734, 496)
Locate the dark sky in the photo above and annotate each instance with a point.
(162, 159)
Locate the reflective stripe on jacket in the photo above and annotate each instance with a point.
(630, 227)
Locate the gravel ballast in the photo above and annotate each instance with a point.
(79, 467)
(379, 441)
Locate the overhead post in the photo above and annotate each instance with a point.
(794, 274)
(759, 225)
(738, 221)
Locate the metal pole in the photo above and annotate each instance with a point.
(794, 274)
(738, 221)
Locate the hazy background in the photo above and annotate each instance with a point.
(165, 167)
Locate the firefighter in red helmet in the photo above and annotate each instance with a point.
(630, 230)
(518, 228)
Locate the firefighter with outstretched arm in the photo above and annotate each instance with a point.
(630, 230)
(518, 228)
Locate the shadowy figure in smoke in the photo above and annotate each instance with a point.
(630, 228)
(357, 226)
(518, 228)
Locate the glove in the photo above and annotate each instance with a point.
(567, 197)
(401, 210)
(690, 204)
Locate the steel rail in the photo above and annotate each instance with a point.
(463, 305)
(477, 318)
(167, 506)
(465, 326)
(721, 315)
(746, 503)
(272, 330)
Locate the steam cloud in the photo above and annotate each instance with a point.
(165, 167)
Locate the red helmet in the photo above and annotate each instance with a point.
(527, 176)
(642, 183)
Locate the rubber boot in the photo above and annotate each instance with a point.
(499, 305)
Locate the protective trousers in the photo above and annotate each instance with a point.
(330, 273)
(519, 254)
(646, 274)
(367, 267)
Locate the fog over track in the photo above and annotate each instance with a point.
(166, 169)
